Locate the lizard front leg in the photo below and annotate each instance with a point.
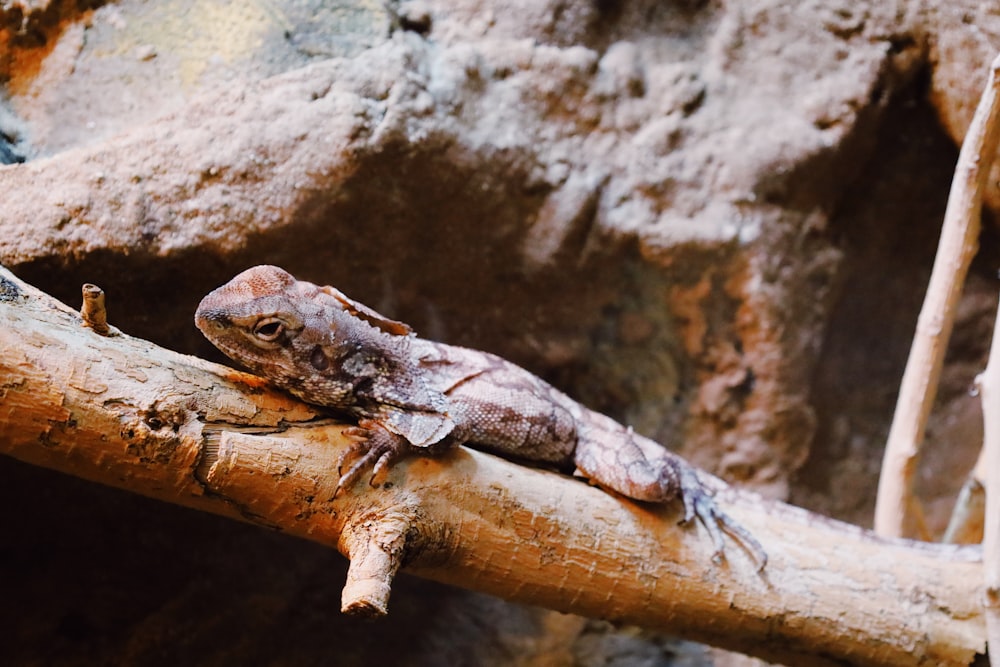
(372, 446)
(377, 447)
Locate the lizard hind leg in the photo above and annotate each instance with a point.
(617, 458)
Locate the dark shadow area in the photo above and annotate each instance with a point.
(889, 226)
(94, 575)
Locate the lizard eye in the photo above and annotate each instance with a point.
(269, 329)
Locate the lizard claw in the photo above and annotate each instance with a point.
(699, 503)
(373, 447)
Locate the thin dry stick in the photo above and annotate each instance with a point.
(989, 385)
(966, 523)
(895, 510)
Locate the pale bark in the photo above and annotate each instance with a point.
(121, 411)
(896, 511)
(989, 385)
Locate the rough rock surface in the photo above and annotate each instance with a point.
(713, 221)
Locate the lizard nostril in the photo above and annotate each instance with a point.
(318, 359)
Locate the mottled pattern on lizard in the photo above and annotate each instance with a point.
(409, 394)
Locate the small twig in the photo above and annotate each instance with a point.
(966, 523)
(93, 312)
(895, 508)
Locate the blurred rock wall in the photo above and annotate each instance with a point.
(712, 220)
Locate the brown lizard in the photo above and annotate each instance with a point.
(414, 395)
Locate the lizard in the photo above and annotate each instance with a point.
(412, 395)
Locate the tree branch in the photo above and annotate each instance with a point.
(896, 514)
(121, 411)
(989, 387)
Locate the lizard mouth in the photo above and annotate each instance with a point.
(244, 356)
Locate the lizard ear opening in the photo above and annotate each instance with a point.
(370, 316)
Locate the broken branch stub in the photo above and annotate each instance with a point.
(93, 311)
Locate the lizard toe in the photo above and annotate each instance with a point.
(384, 462)
(699, 503)
(710, 516)
(357, 449)
(356, 432)
(348, 478)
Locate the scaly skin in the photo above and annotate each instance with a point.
(410, 394)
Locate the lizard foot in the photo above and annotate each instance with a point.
(373, 446)
(699, 503)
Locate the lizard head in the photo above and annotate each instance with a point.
(312, 341)
(325, 348)
(254, 318)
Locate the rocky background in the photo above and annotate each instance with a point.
(714, 221)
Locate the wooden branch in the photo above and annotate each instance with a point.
(121, 411)
(989, 389)
(896, 514)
